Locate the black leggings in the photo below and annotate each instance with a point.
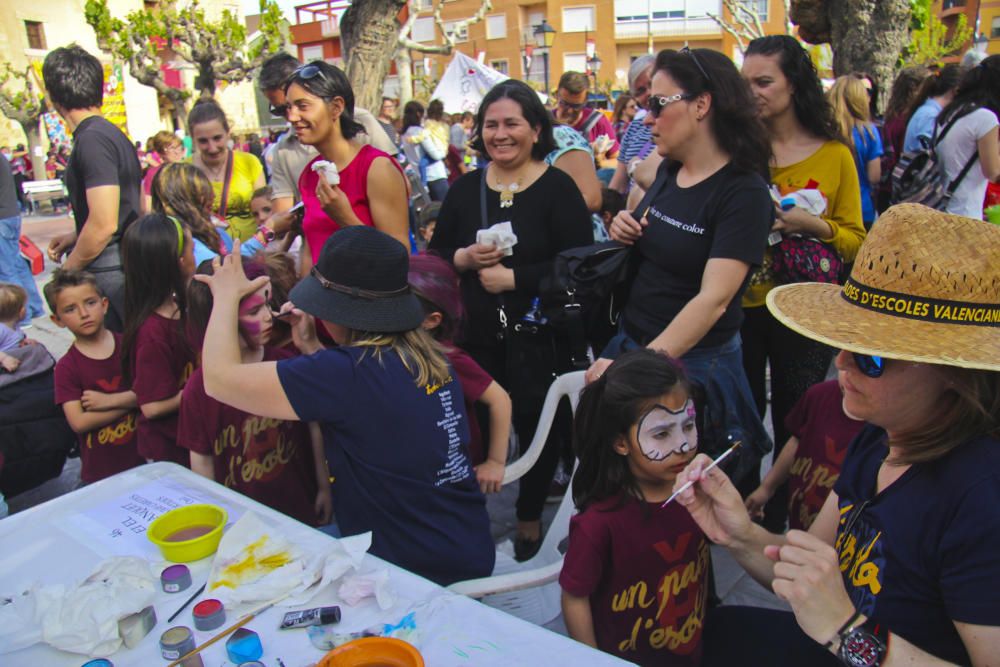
(534, 485)
(797, 363)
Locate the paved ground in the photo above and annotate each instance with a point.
(734, 586)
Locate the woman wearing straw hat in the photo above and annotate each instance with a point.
(900, 566)
(392, 415)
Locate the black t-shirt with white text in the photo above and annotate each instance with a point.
(103, 155)
(727, 215)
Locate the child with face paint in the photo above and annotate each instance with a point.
(276, 462)
(635, 576)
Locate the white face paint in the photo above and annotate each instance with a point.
(663, 432)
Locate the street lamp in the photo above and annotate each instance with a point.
(544, 36)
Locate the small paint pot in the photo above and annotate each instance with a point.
(244, 646)
(175, 579)
(176, 641)
(99, 662)
(208, 615)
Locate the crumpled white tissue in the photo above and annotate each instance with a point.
(328, 171)
(82, 618)
(500, 235)
(257, 564)
(809, 200)
(357, 587)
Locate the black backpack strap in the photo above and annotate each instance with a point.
(968, 165)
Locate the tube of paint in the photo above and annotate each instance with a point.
(317, 616)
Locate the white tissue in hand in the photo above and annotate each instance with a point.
(356, 588)
(83, 619)
(256, 563)
(809, 200)
(329, 171)
(500, 235)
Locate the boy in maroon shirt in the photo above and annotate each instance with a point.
(88, 379)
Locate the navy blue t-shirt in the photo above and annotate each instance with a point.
(926, 551)
(398, 455)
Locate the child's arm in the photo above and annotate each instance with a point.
(203, 464)
(489, 474)
(579, 619)
(97, 401)
(324, 496)
(164, 408)
(82, 421)
(8, 362)
(776, 476)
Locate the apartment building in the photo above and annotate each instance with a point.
(599, 36)
(983, 16)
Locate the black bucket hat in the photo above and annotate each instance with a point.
(360, 282)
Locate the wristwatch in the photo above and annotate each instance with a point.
(860, 648)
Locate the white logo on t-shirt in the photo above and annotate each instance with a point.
(692, 229)
(456, 467)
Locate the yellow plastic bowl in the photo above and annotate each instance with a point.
(373, 652)
(185, 518)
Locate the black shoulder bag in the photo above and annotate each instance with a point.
(586, 291)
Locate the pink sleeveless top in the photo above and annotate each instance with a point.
(317, 226)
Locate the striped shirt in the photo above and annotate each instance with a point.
(637, 141)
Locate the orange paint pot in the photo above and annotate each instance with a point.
(373, 652)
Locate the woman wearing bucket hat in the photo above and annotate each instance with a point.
(391, 413)
(906, 550)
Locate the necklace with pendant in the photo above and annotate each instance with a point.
(508, 191)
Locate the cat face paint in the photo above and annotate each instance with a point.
(663, 432)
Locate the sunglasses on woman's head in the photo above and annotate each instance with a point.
(869, 364)
(688, 52)
(657, 103)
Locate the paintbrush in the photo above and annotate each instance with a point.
(189, 601)
(231, 629)
(713, 464)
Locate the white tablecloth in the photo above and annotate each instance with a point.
(63, 540)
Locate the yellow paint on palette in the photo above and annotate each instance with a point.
(256, 563)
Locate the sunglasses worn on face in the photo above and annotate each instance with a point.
(657, 103)
(279, 110)
(870, 365)
(571, 105)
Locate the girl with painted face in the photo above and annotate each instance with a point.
(277, 462)
(635, 431)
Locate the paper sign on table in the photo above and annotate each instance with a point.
(118, 526)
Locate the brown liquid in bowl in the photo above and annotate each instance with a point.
(188, 533)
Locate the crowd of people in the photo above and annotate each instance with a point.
(359, 301)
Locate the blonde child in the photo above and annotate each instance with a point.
(13, 308)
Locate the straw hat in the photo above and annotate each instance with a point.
(925, 287)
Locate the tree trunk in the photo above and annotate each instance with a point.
(370, 35)
(868, 37)
(404, 71)
(35, 141)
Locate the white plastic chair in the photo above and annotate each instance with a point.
(529, 590)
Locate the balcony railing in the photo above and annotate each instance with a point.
(667, 27)
(951, 4)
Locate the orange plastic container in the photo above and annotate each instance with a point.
(373, 652)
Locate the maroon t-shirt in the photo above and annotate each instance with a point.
(645, 570)
(824, 432)
(112, 448)
(269, 460)
(474, 381)
(161, 364)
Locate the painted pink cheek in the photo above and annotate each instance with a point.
(690, 411)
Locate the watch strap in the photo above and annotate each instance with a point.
(847, 626)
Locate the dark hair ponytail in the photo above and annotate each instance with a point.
(979, 89)
(329, 82)
(935, 85)
(151, 249)
(609, 407)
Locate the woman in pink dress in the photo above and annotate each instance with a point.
(371, 190)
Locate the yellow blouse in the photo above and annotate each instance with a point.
(246, 170)
(830, 170)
